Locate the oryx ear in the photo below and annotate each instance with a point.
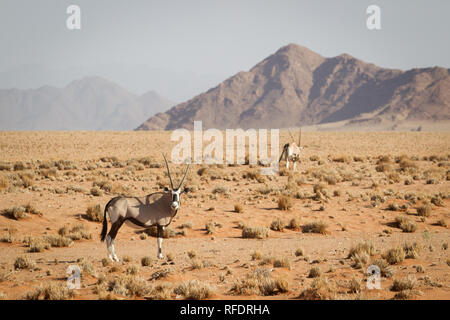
(166, 189)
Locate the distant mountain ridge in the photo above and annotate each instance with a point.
(296, 86)
(90, 103)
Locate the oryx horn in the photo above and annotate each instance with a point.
(300, 138)
(185, 174)
(168, 171)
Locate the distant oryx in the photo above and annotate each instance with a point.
(156, 209)
(291, 151)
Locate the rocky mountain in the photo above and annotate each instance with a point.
(298, 87)
(91, 103)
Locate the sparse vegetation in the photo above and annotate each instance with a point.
(320, 289)
(394, 255)
(194, 290)
(315, 227)
(284, 203)
(255, 232)
(94, 213)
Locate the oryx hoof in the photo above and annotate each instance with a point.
(116, 259)
(160, 256)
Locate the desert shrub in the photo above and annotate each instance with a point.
(19, 166)
(437, 201)
(133, 269)
(160, 292)
(424, 210)
(220, 190)
(294, 224)
(314, 272)
(259, 282)
(106, 262)
(394, 255)
(96, 192)
(282, 262)
(363, 247)
(94, 213)
(146, 261)
(411, 250)
(405, 224)
(238, 208)
(38, 245)
(383, 167)
(403, 284)
(194, 290)
(393, 207)
(320, 289)
(58, 241)
(192, 254)
(210, 227)
(404, 295)
(103, 185)
(255, 232)
(315, 227)
(341, 158)
(256, 255)
(354, 286)
(126, 285)
(24, 263)
(197, 264)
(167, 232)
(277, 225)
(16, 213)
(284, 203)
(299, 252)
(51, 291)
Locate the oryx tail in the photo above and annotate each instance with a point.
(105, 221)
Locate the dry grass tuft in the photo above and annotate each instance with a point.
(281, 263)
(259, 282)
(284, 203)
(238, 208)
(315, 227)
(194, 290)
(146, 261)
(424, 210)
(403, 284)
(314, 272)
(405, 224)
(277, 225)
(320, 289)
(394, 255)
(255, 232)
(411, 250)
(51, 291)
(24, 263)
(94, 213)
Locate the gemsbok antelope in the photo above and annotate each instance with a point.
(156, 209)
(291, 151)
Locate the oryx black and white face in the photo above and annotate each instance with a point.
(175, 196)
(175, 192)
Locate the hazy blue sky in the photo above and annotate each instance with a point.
(220, 37)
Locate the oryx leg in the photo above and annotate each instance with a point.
(160, 239)
(110, 240)
(287, 163)
(295, 165)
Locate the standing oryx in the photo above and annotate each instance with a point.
(156, 209)
(291, 151)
